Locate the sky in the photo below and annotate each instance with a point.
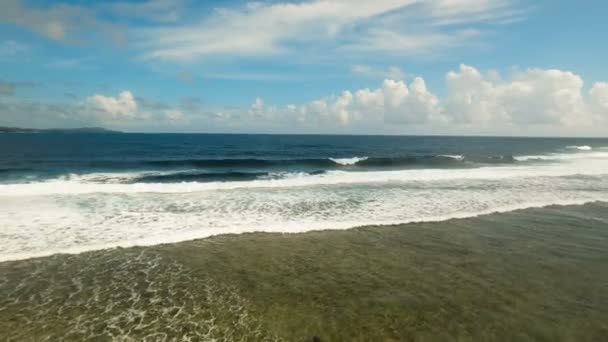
(453, 67)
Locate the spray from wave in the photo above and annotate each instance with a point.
(348, 161)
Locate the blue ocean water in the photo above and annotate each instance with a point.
(75, 192)
(223, 157)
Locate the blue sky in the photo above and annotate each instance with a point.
(507, 67)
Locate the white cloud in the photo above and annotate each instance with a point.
(404, 27)
(175, 116)
(534, 96)
(451, 12)
(526, 102)
(403, 105)
(181, 30)
(394, 103)
(388, 41)
(123, 112)
(121, 106)
(128, 110)
(599, 96)
(535, 100)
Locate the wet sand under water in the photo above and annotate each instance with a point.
(529, 275)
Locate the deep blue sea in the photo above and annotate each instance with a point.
(74, 192)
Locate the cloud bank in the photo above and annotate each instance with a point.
(533, 101)
(527, 102)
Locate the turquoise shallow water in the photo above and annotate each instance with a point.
(527, 275)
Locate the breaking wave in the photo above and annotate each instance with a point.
(348, 161)
(580, 148)
(334, 162)
(196, 198)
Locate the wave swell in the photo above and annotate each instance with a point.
(331, 162)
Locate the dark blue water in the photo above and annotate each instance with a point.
(219, 157)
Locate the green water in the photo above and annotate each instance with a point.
(531, 275)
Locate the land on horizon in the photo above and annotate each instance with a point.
(5, 129)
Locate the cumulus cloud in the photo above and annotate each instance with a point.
(394, 103)
(531, 102)
(534, 96)
(546, 99)
(123, 111)
(123, 105)
(599, 96)
(132, 111)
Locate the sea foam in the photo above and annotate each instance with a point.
(580, 148)
(78, 213)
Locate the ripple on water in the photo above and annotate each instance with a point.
(127, 296)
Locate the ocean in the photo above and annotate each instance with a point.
(69, 193)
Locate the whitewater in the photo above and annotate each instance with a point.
(81, 212)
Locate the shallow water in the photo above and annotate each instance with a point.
(529, 275)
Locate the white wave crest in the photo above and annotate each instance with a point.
(580, 148)
(588, 164)
(564, 156)
(452, 156)
(348, 161)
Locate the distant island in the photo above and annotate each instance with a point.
(95, 130)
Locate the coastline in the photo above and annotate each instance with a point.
(526, 274)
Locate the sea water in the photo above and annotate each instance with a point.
(67, 193)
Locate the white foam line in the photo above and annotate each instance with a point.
(59, 187)
(581, 148)
(452, 156)
(295, 228)
(564, 156)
